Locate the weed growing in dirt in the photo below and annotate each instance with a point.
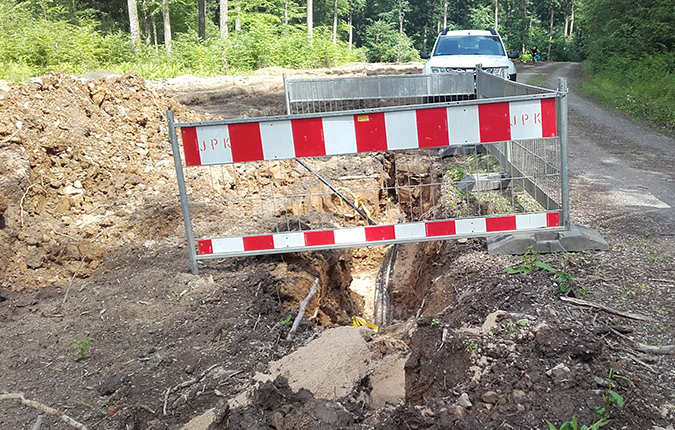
(469, 345)
(611, 399)
(82, 346)
(96, 409)
(175, 297)
(289, 320)
(531, 262)
(656, 258)
(435, 322)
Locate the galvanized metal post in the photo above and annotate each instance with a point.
(479, 81)
(183, 193)
(287, 96)
(563, 133)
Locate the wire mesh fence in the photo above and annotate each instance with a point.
(377, 188)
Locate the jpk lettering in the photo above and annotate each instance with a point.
(524, 118)
(214, 143)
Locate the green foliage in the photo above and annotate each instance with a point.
(469, 345)
(537, 81)
(643, 89)
(82, 347)
(385, 44)
(530, 262)
(482, 16)
(611, 399)
(289, 320)
(32, 44)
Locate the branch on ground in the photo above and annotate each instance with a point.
(43, 408)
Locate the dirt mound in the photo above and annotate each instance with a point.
(85, 166)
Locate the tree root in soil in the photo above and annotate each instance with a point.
(184, 385)
(607, 309)
(43, 408)
(303, 308)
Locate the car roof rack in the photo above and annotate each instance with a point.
(445, 31)
(493, 31)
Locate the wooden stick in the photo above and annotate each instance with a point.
(667, 281)
(184, 384)
(658, 350)
(303, 308)
(649, 349)
(43, 408)
(607, 309)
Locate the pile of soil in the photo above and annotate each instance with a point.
(104, 322)
(85, 166)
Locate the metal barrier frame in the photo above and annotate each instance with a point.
(555, 216)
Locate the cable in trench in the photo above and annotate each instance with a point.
(384, 301)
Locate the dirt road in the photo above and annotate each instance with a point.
(620, 168)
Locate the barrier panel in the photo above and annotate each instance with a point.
(338, 178)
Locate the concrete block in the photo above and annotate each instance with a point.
(484, 182)
(576, 239)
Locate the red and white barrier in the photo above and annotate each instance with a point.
(383, 131)
(374, 235)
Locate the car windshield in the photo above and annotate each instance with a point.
(469, 45)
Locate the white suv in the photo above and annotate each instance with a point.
(461, 50)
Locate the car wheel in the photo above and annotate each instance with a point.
(512, 77)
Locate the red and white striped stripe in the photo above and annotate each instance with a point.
(381, 131)
(374, 235)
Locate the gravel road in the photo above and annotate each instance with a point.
(621, 170)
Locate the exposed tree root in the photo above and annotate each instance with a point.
(43, 408)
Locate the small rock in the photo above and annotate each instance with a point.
(558, 372)
(458, 411)
(333, 413)
(112, 384)
(36, 258)
(3, 205)
(519, 395)
(491, 397)
(366, 333)
(463, 401)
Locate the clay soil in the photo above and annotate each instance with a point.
(102, 320)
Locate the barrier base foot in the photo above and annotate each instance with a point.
(577, 238)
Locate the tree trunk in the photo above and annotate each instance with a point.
(335, 20)
(351, 31)
(237, 20)
(572, 21)
(550, 34)
(286, 12)
(401, 15)
(224, 29)
(146, 24)
(154, 33)
(201, 4)
(310, 17)
(167, 26)
(134, 26)
(445, 14)
(567, 20)
(496, 14)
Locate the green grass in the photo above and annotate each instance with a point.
(644, 90)
(537, 81)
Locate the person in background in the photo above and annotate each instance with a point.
(535, 53)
